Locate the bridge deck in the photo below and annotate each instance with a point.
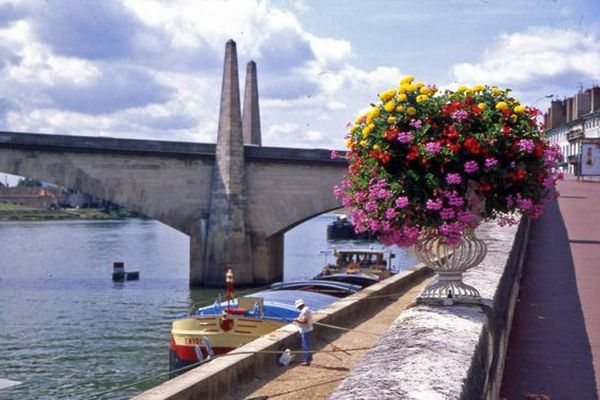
(92, 144)
(554, 345)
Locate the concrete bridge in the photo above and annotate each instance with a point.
(235, 199)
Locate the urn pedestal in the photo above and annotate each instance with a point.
(450, 262)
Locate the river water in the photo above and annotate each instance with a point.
(68, 332)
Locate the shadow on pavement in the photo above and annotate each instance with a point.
(549, 351)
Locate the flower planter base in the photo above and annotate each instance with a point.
(450, 262)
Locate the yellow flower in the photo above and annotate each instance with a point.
(461, 88)
(411, 111)
(482, 106)
(348, 143)
(478, 88)
(421, 98)
(425, 90)
(407, 79)
(376, 147)
(403, 88)
(501, 105)
(359, 120)
(412, 88)
(389, 106)
(399, 109)
(365, 132)
(401, 97)
(419, 85)
(513, 118)
(392, 120)
(496, 91)
(519, 109)
(388, 94)
(354, 129)
(374, 113)
(363, 143)
(468, 92)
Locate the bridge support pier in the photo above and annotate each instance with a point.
(267, 258)
(198, 251)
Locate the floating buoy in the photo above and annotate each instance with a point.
(119, 274)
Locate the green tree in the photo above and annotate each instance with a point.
(26, 182)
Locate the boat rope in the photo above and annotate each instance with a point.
(233, 353)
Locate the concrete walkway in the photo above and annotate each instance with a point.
(318, 381)
(554, 346)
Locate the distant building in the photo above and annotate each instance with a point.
(572, 121)
(37, 197)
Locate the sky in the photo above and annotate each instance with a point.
(150, 69)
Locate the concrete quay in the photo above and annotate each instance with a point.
(223, 376)
(554, 345)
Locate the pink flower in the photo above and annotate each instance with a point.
(434, 204)
(453, 179)
(416, 123)
(390, 213)
(460, 115)
(524, 203)
(334, 154)
(490, 162)
(471, 166)
(526, 145)
(405, 137)
(370, 206)
(402, 202)
(433, 147)
(447, 213)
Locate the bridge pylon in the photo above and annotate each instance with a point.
(227, 239)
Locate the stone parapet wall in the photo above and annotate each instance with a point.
(449, 352)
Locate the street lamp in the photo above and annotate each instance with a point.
(548, 96)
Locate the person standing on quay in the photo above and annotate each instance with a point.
(304, 323)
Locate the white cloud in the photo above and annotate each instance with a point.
(308, 85)
(537, 62)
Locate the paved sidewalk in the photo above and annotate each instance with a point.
(554, 346)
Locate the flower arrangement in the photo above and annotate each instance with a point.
(425, 161)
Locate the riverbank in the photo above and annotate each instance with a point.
(12, 212)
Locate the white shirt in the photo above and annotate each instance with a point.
(306, 315)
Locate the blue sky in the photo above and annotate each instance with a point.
(152, 69)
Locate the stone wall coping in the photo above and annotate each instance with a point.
(448, 352)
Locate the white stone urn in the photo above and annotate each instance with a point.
(450, 262)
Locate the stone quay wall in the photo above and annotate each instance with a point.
(449, 352)
(222, 375)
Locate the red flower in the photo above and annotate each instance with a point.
(506, 131)
(451, 132)
(414, 152)
(391, 134)
(472, 145)
(485, 187)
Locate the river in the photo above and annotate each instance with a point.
(68, 332)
